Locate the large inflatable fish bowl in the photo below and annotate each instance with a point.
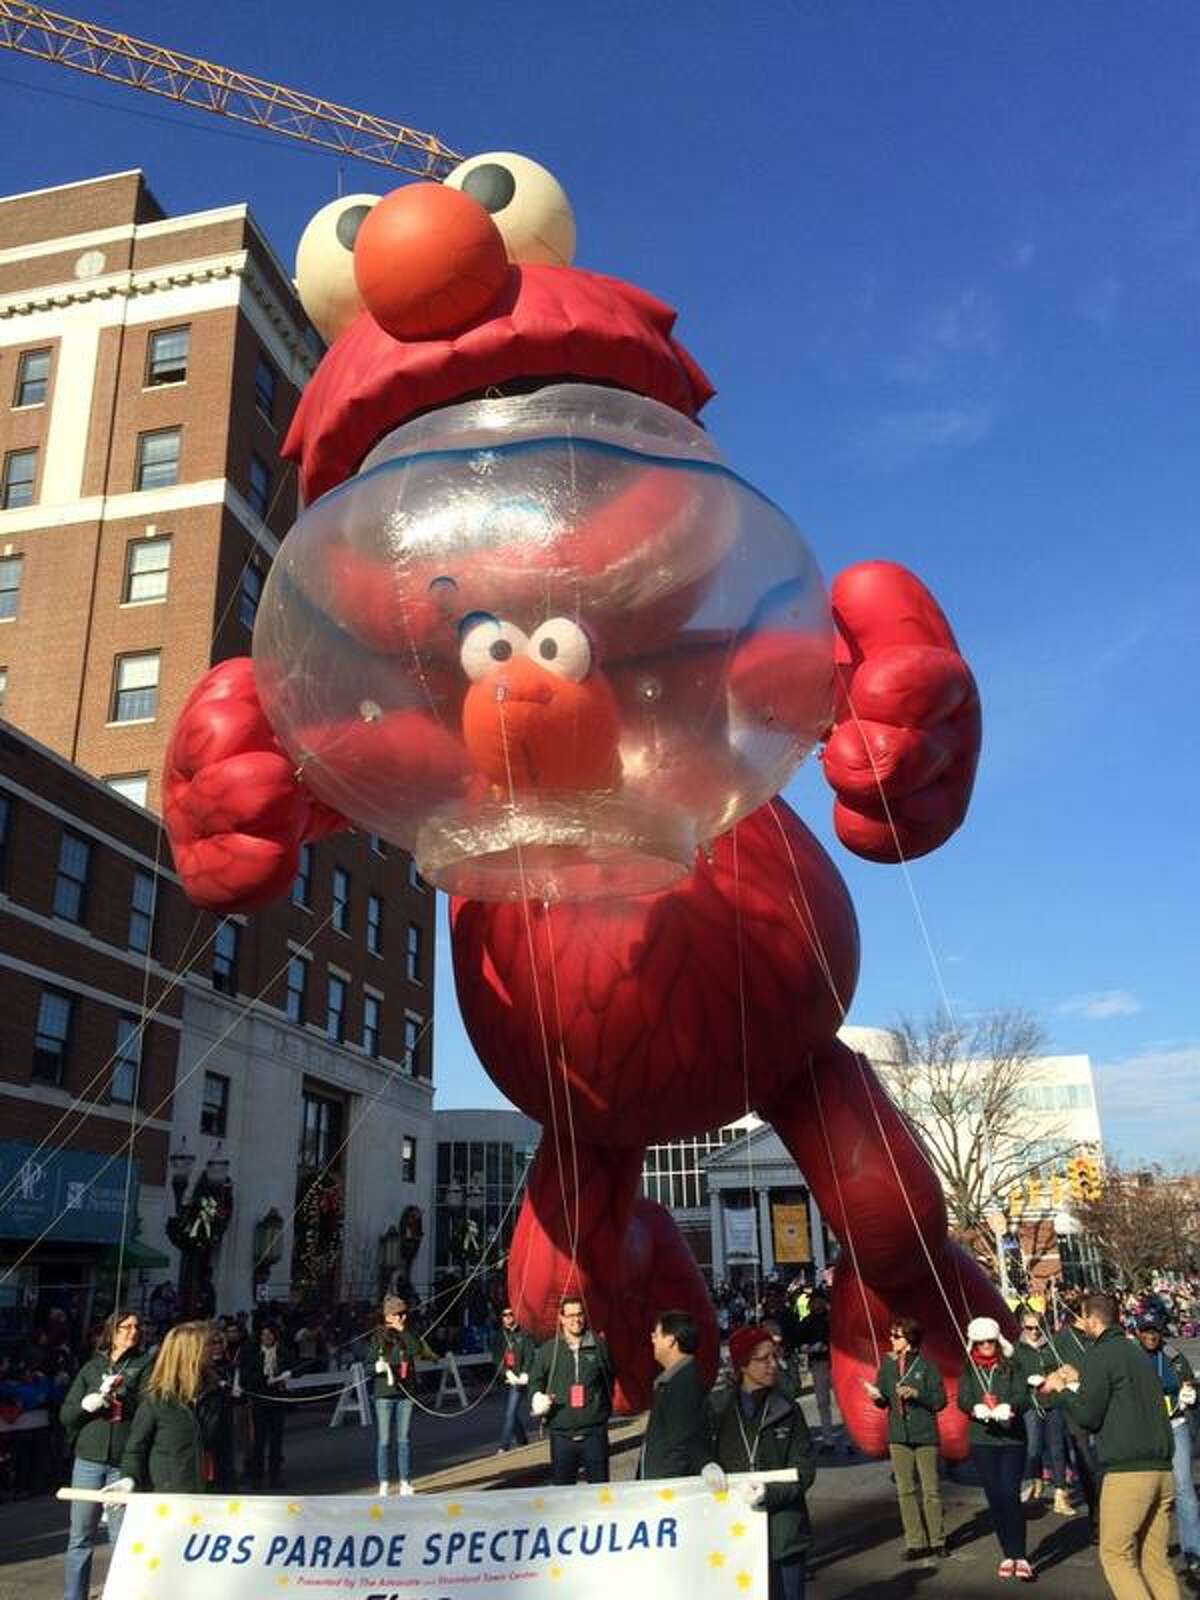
(549, 643)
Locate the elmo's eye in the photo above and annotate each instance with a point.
(487, 643)
(325, 264)
(562, 647)
(527, 204)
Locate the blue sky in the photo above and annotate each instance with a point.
(942, 262)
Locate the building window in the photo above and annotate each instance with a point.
(167, 356)
(20, 471)
(53, 1036)
(413, 953)
(412, 1041)
(147, 569)
(415, 880)
(378, 845)
(5, 825)
(341, 899)
(157, 459)
(122, 1086)
(224, 967)
(408, 1160)
(370, 1034)
(214, 1107)
(297, 989)
(375, 925)
(251, 594)
(265, 382)
(335, 1009)
(141, 913)
(302, 882)
(131, 786)
(135, 690)
(10, 585)
(33, 378)
(320, 1131)
(70, 886)
(3, 685)
(260, 485)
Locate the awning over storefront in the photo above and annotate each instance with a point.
(138, 1256)
(65, 1196)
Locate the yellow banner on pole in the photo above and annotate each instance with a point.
(789, 1225)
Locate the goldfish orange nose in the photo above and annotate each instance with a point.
(428, 260)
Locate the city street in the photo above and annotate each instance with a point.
(857, 1551)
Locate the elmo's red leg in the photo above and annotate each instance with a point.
(878, 1192)
(622, 1254)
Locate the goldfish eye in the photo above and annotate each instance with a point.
(325, 264)
(562, 647)
(527, 204)
(487, 643)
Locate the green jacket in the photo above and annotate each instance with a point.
(1120, 1401)
(401, 1350)
(1006, 1383)
(102, 1435)
(518, 1344)
(180, 1449)
(1034, 1361)
(557, 1369)
(677, 1442)
(774, 1436)
(911, 1421)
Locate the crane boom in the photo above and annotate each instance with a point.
(120, 58)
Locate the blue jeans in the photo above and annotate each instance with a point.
(85, 1524)
(513, 1427)
(1046, 1445)
(1186, 1509)
(393, 1419)
(999, 1467)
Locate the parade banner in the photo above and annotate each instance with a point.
(790, 1229)
(741, 1233)
(644, 1541)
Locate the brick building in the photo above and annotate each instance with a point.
(149, 367)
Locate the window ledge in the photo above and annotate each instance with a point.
(132, 722)
(129, 605)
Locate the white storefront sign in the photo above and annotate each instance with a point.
(741, 1233)
(646, 1541)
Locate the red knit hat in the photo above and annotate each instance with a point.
(744, 1341)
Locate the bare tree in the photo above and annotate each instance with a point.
(1144, 1220)
(964, 1086)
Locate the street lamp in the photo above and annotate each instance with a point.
(181, 1162)
(267, 1246)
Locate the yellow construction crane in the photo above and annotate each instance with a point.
(120, 58)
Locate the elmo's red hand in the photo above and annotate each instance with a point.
(905, 742)
(235, 812)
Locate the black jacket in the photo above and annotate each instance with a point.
(677, 1442)
(1120, 1400)
(513, 1352)
(401, 1350)
(775, 1436)
(102, 1435)
(555, 1371)
(181, 1449)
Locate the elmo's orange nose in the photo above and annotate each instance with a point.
(428, 260)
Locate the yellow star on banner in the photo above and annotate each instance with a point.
(539, 1504)
(294, 1508)
(137, 1548)
(454, 1509)
(234, 1507)
(152, 1563)
(721, 1496)
(283, 1580)
(606, 1497)
(717, 1559)
(556, 1572)
(163, 1511)
(744, 1580)
(375, 1513)
(666, 1494)
(195, 1519)
(738, 1529)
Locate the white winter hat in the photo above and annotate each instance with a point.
(981, 1328)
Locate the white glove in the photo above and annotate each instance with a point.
(980, 1412)
(523, 1379)
(1003, 1412)
(1187, 1394)
(1035, 1380)
(712, 1476)
(512, 1380)
(873, 1389)
(753, 1493)
(108, 1382)
(236, 1391)
(94, 1402)
(382, 1368)
(540, 1403)
(120, 1486)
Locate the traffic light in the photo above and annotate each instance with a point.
(1016, 1200)
(1058, 1191)
(1033, 1188)
(1091, 1178)
(1075, 1178)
